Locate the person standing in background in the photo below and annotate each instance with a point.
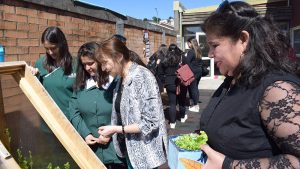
(91, 105)
(167, 72)
(154, 62)
(194, 60)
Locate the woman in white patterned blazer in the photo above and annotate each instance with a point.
(138, 124)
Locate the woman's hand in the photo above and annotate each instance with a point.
(103, 139)
(107, 131)
(90, 139)
(33, 70)
(214, 160)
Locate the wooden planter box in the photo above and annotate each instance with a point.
(184, 159)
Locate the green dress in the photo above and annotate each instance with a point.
(58, 85)
(60, 88)
(89, 109)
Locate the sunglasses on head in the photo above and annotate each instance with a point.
(223, 6)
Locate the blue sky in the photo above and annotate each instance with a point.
(141, 9)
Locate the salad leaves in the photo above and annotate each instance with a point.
(191, 141)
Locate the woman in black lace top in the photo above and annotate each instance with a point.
(253, 119)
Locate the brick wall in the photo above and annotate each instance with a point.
(21, 28)
(22, 24)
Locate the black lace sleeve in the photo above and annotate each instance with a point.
(280, 113)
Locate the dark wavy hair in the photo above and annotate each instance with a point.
(55, 36)
(173, 56)
(267, 49)
(89, 50)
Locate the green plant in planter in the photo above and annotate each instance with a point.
(25, 163)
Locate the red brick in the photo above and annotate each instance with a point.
(71, 26)
(16, 50)
(42, 28)
(67, 31)
(23, 26)
(29, 58)
(8, 9)
(77, 20)
(8, 41)
(64, 18)
(9, 58)
(16, 34)
(72, 37)
(36, 50)
(83, 27)
(1, 33)
(46, 15)
(27, 12)
(37, 21)
(13, 17)
(9, 25)
(28, 42)
(34, 35)
(90, 33)
(75, 43)
(33, 27)
(78, 32)
(82, 38)
(55, 23)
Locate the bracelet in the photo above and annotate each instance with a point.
(123, 130)
(226, 163)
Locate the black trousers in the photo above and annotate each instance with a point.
(194, 91)
(176, 99)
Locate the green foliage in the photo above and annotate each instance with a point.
(191, 141)
(156, 19)
(49, 166)
(66, 166)
(7, 133)
(23, 162)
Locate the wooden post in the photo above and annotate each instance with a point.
(52, 115)
(3, 135)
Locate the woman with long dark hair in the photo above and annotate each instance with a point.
(194, 60)
(167, 71)
(57, 70)
(91, 105)
(252, 120)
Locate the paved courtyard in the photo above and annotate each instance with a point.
(206, 88)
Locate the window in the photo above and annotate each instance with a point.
(296, 40)
(190, 30)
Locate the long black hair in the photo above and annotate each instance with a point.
(173, 56)
(90, 50)
(54, 35)
(267, 49)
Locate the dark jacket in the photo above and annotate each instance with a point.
(194, 64)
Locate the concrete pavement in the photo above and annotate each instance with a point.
(206, 88)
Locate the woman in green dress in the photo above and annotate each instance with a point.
(91, 105)
(56, 71)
